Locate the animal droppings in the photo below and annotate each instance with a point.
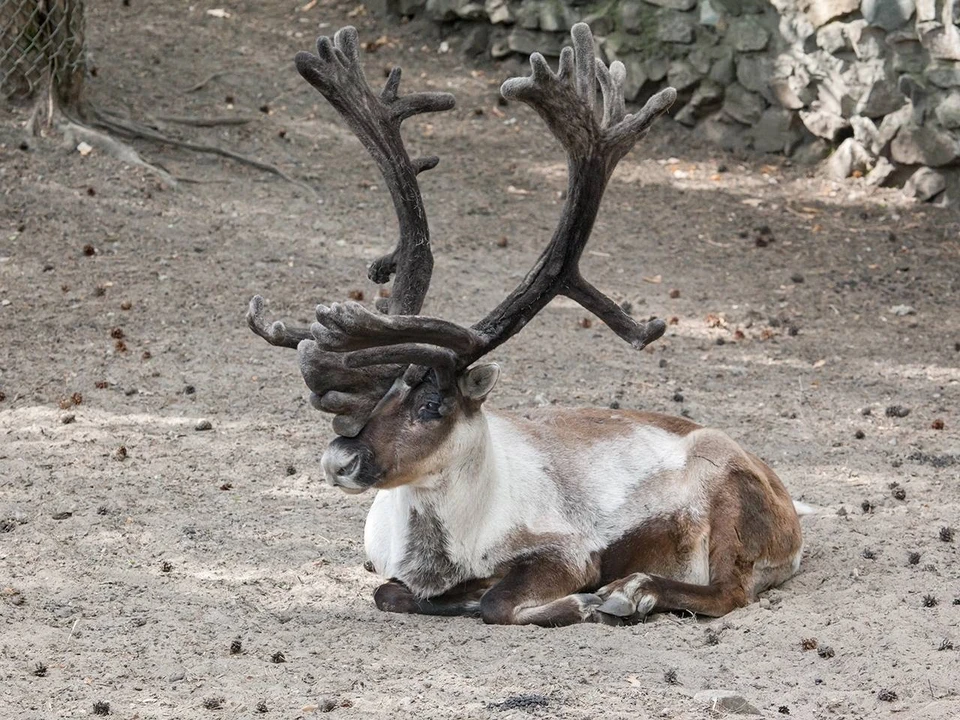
(899, 493)
(278, 657)
(236, 647)
(897, 411)
(521, 702)
(886, 695)
(809, 643)
(213, 703)
(946, 534)
(825, 652)
(913, 558)
(101, 708)
(262, 706)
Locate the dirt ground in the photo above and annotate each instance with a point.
(170, 571)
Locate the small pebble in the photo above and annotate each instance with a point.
(797, 278)
(204, 425)
(68, 418)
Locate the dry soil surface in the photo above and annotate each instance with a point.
(170, 571)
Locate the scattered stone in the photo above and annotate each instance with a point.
(924, 145)
(888, 14)
(682, 75)
(946, 534)
(822, 122)
(925, 184)
(778, 130)
(675, 27)
(64, 515)
(886, 695)
(902, 310)
(896, 411)
(68, 418)
(913, 558)
(948, 111)
(40, 669)
(859, 435)
(899, 493)
(101, 708)
(929, 601)
(674, 4)
(937, 424)
(278, 657)
(726, 701)
(851, 157)
(747, 35)
(203, 425)
(825, 652)
(670, 676)
(262, 706)
(809, 643)
(742, 105)
(880, 173)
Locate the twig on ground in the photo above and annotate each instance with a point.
(204, 122)
(203, 83)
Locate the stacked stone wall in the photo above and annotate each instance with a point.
(874, 84)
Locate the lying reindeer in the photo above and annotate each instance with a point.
(553, 518)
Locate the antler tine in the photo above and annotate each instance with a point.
(276, 333)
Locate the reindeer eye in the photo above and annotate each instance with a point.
(429, 410)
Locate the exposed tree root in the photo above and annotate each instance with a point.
(75, 132)
(135, 130)
(90, 125)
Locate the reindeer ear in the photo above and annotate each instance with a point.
(478, 381)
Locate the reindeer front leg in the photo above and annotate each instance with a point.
(543, 589)
(462, 600)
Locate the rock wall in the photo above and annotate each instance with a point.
(875, 81)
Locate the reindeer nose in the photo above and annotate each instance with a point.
(340, 465)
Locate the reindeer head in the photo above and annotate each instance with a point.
(401, 384)
(413, 432)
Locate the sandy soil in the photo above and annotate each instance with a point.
(166, 570)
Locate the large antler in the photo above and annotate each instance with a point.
(594, 145)
(375, 119)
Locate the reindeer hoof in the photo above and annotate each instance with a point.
(617, 605)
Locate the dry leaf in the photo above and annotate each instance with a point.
(752, 202)
(633, 680)
(309, 6)
(218, 13)
(517, 191)
(84, 149)
(656, 279)
(820, 363)
(716, 321)
(357, 11)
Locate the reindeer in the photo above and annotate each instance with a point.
(548, 518)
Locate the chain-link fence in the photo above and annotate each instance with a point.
(41, 41)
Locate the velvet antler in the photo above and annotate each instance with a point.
(382, 346)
